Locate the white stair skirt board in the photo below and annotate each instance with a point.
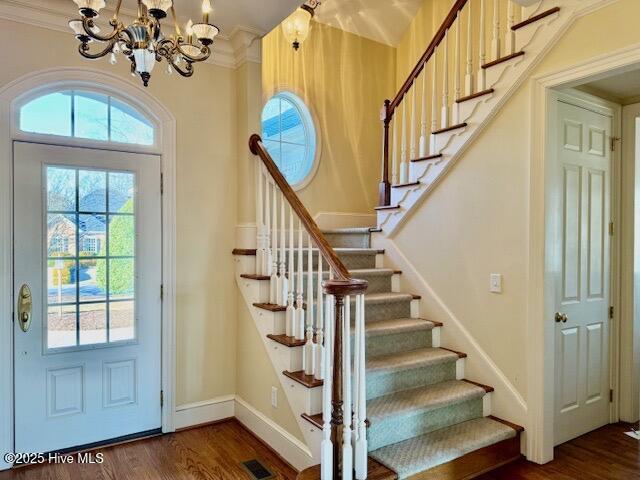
(633, 434)
(198, 413)
(286, 445)
(535, 40)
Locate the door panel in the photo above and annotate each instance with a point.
(87, 242)
(582, 341)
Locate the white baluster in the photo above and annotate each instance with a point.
(299, 289)
(423, 114)
(319, 323)
(309, 347)
(468, 78)
(326, 447)
(268, 260)
(361, 442)
(495, 35)
(511, 35)
(260, 251)
(482, 78)
(394, 151)
(284, 284)
(445, 83)
(404, 171)
(291, 309)
(434, 103)
(412, 124)
(347, 408)
(277, 286)
(456, 88)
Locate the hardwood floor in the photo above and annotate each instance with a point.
(207, 453)
(214, 452)
(605, 454)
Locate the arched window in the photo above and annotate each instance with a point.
(289, 135)
(87, 115)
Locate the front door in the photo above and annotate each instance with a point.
(583, 266)
(87, 257)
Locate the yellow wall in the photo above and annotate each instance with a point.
(476, 221)
(206, 150)
(344, 78)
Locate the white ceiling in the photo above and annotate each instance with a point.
(257, 15)
(384, 21)
(623, 88)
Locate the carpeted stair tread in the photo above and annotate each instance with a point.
(423, 357)
(418, 454)
(386, 297)
(422, 399)
(371, 271)
(398, 325)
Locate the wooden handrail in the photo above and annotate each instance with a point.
(340, 271)
(435, 41)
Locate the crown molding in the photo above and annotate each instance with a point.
(229, 51)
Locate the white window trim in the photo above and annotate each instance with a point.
(295, 96)
(14, 95)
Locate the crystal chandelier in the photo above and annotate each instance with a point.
(143, 42)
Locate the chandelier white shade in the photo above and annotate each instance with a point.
(143, 42)
(296, 27)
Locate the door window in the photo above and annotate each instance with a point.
(90, 257)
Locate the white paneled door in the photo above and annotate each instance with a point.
(87, 330)
(582, 264)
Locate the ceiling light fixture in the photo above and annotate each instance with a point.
(297, 26)
(143, 42)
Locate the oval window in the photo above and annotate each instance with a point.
(289, 135)
(87, 115)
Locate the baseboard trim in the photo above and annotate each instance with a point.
(200, 413)
(292, 450)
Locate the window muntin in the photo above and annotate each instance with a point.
(90, 257)
(86, 115)
(289, 135)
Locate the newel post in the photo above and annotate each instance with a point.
(385, 186)
(340, 412)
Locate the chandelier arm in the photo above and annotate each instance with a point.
(116, 13)
(187, 72)
(89, 24)
(206, 53)
(83, 48)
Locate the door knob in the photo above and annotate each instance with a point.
(25, 306)
(561, 317)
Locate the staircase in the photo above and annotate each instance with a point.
(391, 402)
(424, 417)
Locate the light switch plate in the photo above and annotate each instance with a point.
(495, 283)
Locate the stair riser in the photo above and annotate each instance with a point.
(349, 240)
(386, 311)
(351, 260)
(378, 283)
(384, 382)
(398, 342)
(393, 429)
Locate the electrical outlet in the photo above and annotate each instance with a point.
(274, 397)
(495, 283)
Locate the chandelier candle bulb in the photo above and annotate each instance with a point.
(206, 10)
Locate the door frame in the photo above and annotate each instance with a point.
(540, 328)
(12, 95)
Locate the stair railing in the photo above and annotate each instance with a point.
(427, 108)
(319, 313)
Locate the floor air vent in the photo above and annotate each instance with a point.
(257, 470)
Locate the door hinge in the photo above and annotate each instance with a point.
(613, 143)
(611, 229)
(611, 312)
(161, 183)
(611, 396)
(161, 398)
(162, 292)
